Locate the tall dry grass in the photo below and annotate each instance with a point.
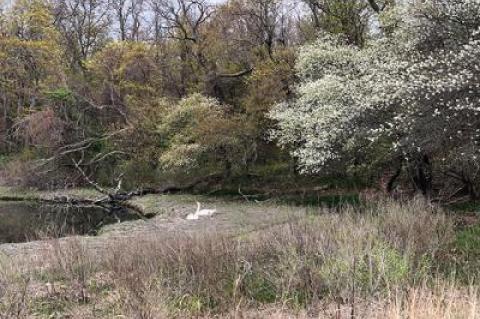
(441, 302)
(377, 261)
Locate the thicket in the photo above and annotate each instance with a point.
(158, 90)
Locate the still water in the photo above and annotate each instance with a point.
(25, 221)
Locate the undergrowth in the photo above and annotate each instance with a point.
(375, 261)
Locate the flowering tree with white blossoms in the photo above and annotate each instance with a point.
(412, 96)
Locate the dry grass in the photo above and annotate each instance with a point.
(382, 261)
(417, 303)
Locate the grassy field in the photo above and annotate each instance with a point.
(253, 260)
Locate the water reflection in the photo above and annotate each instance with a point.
(22, 221)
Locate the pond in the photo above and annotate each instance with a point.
(26, 221)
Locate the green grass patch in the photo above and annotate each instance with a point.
(464, 207)
(193, 304)
(330, 201)
(466, 251)
(259, 288)
(49, 307)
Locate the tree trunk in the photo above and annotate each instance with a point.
(421, 174)
(4, 124)
(472, 192)
(392, 180)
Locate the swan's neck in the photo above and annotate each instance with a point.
(198, 207)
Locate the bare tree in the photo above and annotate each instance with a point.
(266, 22)
(129, 15)
(350, 17)
(182, 21)
(84, 25)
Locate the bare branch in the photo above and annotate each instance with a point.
(97, 187)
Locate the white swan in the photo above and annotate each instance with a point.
(201, 213)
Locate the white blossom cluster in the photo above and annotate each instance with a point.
(416, 92)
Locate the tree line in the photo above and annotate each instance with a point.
(150, 90)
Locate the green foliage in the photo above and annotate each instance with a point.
(140, 172)
(192, 304)
(63, 95)
(125, 67)
(384, 264)
(3, 159)
(260, 288)
(49, 307)
(199, 132)
(465, 207)
(346, 18)
(202, 96)
(324, 200)
(270, 83)
(466, 251)
(468, 242)
(380, 268)
(369, 105)
(179, 104)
